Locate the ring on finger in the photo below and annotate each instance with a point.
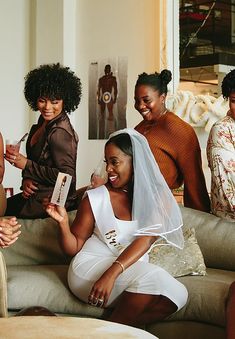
(94, 302)
(100, 302)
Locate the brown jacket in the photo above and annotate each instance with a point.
(55, 152)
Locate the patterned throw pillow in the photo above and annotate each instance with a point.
(188, 261)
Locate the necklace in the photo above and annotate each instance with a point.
(125, 190)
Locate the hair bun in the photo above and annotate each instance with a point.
(144, 74)
(165, 76)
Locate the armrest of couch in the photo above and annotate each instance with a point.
(3, 287)
(230, 313)
(215, 236)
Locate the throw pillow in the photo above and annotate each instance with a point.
(188, 261)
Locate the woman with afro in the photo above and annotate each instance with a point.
(54, 91)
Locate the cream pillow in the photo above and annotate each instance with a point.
(188, 261)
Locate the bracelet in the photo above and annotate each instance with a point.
(120, 264)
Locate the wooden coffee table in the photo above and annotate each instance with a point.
(41, 327)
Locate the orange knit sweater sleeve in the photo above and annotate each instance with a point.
(190, 165)
(177, 151)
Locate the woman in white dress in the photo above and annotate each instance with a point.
(115, 227)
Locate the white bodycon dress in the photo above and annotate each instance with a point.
(96, 257)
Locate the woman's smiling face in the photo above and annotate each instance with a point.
(48, 108)
(118, 166)
(232, 105)
(148, 102)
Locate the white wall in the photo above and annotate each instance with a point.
(14, 62)
(109, 28)
(75, 32)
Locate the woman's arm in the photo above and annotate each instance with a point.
(135, 251)
(190, 164)
(63, 154)
(72, 239)
(103, 287)
(2, 167)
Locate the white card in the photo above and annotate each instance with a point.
(61, 189)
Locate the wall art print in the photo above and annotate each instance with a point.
(107, 96)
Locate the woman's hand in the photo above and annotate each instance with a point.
(58, 213)
(16, 159)
(20, 161)
(29, 188)
(97, 181)
(101, 290)
(11, 155)
(9, 231)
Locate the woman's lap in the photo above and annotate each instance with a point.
(141, 277)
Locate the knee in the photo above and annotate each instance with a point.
(167, 307)
(183, 298)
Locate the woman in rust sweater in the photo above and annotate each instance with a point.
(173, 142)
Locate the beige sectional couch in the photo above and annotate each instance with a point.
(37, 276)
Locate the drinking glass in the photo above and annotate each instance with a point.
(13, 146)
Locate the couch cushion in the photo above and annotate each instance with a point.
(188, 261)
(37, 244)
(207, 297)
(45, 286)
(215, 236)
(39, 241)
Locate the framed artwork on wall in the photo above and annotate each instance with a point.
(107, 96)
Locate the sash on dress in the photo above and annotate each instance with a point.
(105, 218)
